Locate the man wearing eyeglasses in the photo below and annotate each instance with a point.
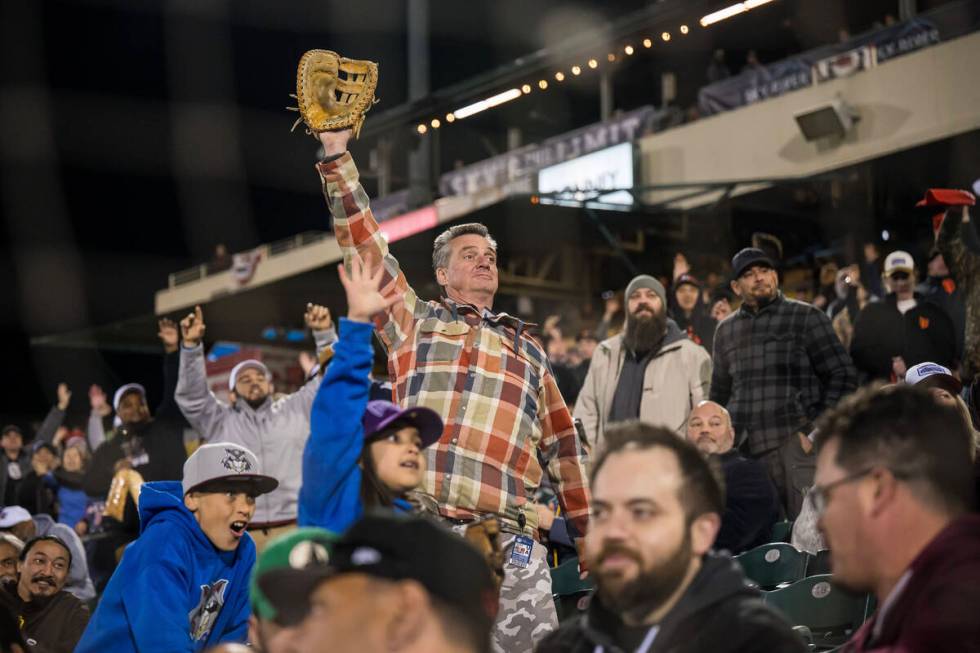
(903, 330)
(893, 492)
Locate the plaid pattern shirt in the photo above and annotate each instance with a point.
(481, 372)
(777, 369)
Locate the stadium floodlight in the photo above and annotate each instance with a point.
(722, 14)
(488, 103)
(731, 10)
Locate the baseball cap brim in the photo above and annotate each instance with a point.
(263, 484)
(289, 590)
(944, 381)
(426, 420)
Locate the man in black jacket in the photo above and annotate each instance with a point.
(902, 331)
(15, 464)
(751, 504)
(51, 619)
(656, 505)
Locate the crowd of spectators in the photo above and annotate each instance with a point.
(426, 511)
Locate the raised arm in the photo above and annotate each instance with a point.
(196, 401)
(330, 494)
(318, 320)
(357, 232)
(100, 409)
(56, 416)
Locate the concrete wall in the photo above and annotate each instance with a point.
(912, 100)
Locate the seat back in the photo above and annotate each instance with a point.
(831, 614)
(771, 565)
(568, 590)
(781, 531)
(819, 563)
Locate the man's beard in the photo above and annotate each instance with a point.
(256, 403)
(651, 588)
(645, 334)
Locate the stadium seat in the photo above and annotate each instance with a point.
(568, 589)
(831, 614)
(819, 563)
(781, 531)
(771, 565)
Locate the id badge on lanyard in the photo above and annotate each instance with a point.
(520, 554)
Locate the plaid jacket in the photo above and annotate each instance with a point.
(777, 370)
(482, 373)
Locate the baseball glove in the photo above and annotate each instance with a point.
(334, 92)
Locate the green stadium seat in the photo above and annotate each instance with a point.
(770, 565)
(568, 589)
(781, 531)
(819, 563)
(831, 614)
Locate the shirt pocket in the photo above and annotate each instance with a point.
(439, 341)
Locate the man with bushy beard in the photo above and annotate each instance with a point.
(51, 619)
(656, 506)
(276, 430)
(651, 371)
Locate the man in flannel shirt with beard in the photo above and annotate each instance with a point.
(777, 366)
(488, 380)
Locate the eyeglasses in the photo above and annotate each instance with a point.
(898, 276)
(819, 496)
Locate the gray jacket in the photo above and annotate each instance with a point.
(79, 584)
(276, 432)
(676, 379)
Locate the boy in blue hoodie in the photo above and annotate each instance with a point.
(183, 585)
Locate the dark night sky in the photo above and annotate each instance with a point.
(137, 134)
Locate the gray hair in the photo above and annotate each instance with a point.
(440, 248)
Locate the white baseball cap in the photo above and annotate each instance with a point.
(124, 390)
(933, 375)
(13, 515)
(225, 461)
(899, 260)
(244, 365)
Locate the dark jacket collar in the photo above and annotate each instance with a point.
(771, 305)
(719, 579)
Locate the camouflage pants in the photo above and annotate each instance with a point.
(527, 611)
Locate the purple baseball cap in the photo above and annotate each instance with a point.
(380, 414)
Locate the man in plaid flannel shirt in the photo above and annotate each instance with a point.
(777, 366)
(489, 381)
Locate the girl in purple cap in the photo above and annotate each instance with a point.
(360, 454)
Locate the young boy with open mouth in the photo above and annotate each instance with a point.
(183, 585)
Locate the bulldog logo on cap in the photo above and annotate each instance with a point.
(236, 461)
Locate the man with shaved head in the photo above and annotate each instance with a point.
(751, 505)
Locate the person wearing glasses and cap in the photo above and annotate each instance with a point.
(893, 492)
(183, 585)
(903, 330)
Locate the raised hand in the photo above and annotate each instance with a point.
(613, 305)
(64, 396)
(168, 334)
(681, 266)
(192, 328)
(97, 400)
(363, 298)
(317, 317)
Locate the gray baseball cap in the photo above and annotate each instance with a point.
(224, 461)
